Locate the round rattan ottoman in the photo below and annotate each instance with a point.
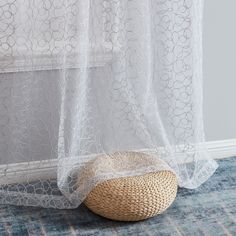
(133, 198)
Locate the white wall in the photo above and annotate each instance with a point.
(220, 69)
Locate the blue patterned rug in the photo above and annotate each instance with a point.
(210, 210)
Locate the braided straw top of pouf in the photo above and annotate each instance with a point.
(133, 198)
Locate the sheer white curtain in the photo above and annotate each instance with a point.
(87, 79)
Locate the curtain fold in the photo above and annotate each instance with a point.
(100, 84)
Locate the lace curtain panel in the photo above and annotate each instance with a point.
(93, 81)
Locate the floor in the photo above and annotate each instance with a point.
(209, 210)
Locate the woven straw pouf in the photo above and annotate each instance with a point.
(133, 198)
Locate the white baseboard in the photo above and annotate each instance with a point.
(30, 171)
(222, 148)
